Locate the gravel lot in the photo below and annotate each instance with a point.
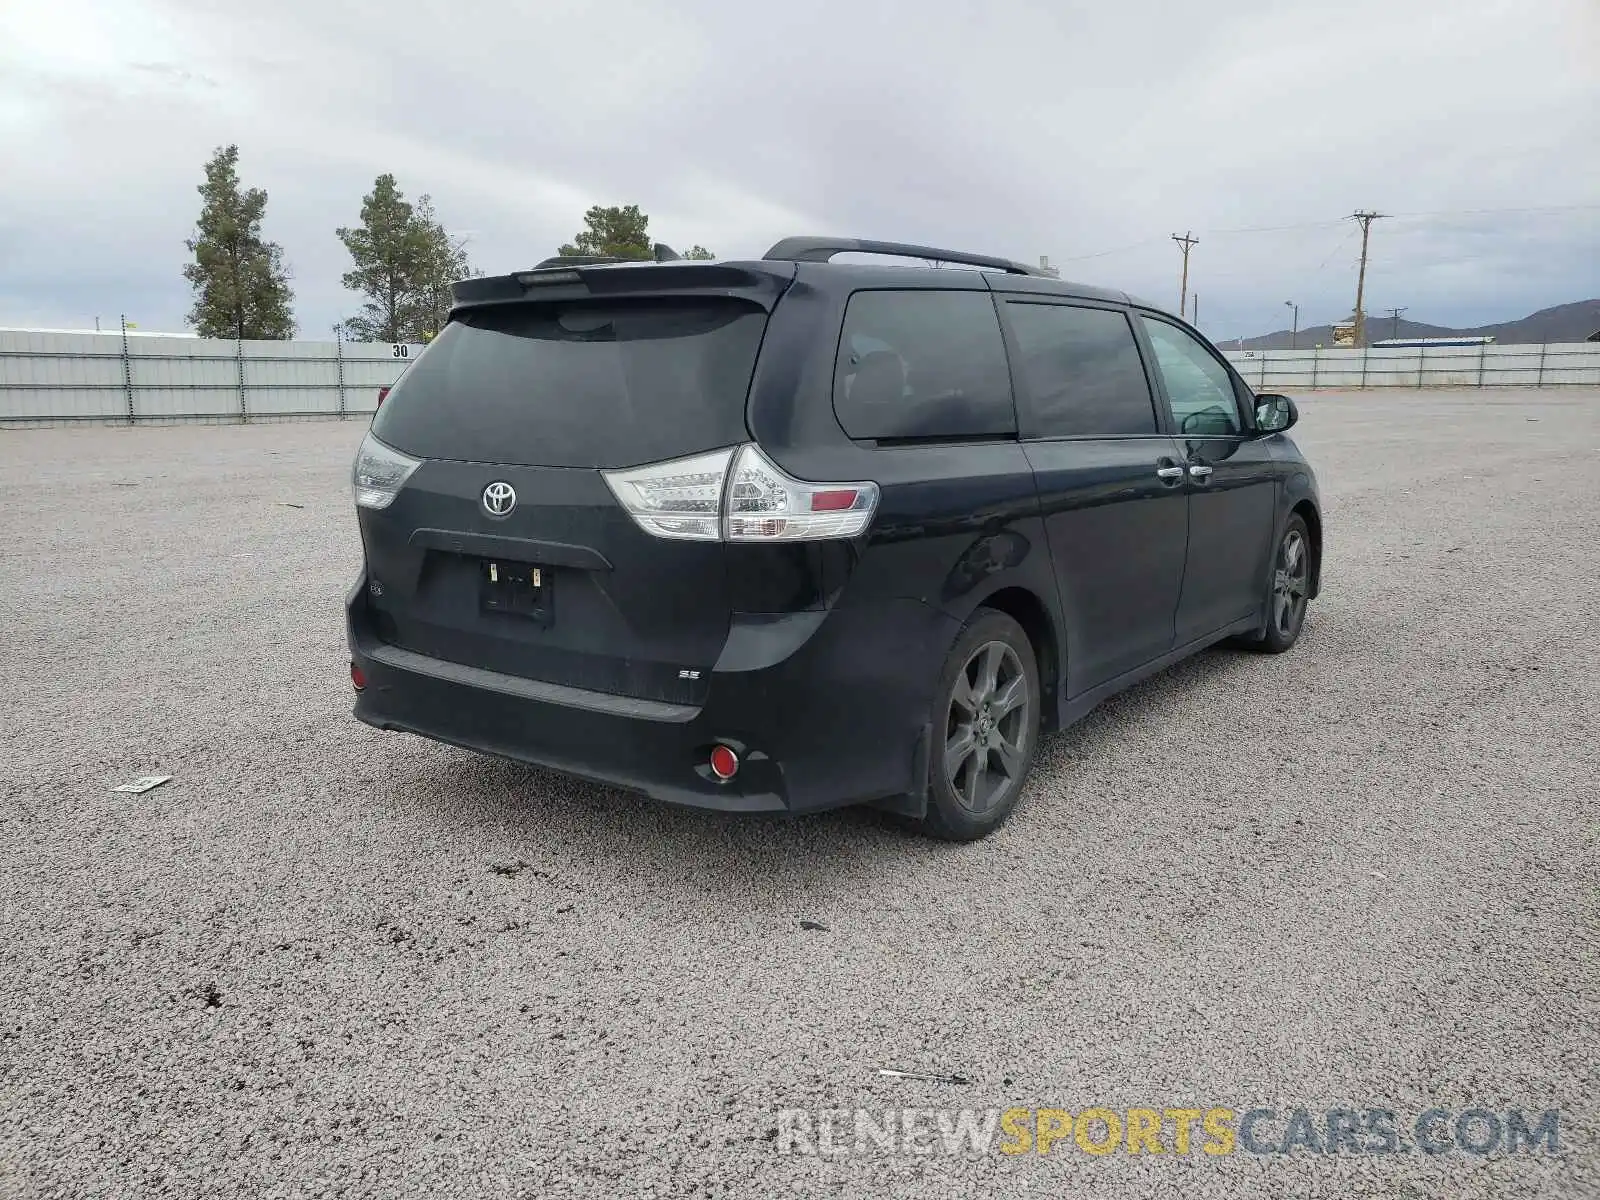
(324, 960)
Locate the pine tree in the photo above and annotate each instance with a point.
(443, 261)
(241, 286)
(405, 262)
(618, 232)
(388, 254)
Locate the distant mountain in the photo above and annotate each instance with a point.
(1564, 323)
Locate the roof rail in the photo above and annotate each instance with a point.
(821, 249)
(660, 252)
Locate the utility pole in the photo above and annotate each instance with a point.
(1294, 332)
(1366, 219)
(1395, 313)
(1195, 320)
(1186, 242)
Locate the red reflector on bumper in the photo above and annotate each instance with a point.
(724, 763)
(357, 679)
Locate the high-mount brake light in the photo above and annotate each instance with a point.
(383, 394)
(530, 278)
(739, 495)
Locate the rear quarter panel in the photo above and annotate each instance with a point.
(955, 524)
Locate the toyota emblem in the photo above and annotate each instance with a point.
(499, 498)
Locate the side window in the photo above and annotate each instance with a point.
(922, 365)
(1200, 389)
(1082, 370)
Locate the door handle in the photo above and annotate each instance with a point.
(1200, 471)
(1169, 472)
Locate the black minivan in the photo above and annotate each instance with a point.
(788, 534)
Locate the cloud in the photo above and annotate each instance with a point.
(175, 75)
(1065, 129)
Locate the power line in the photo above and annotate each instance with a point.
(1404, 216)
(1395, 313)
(1118, 250)
(1440, 212)
(1474, 212)
(1344, 241)
(1272, 228)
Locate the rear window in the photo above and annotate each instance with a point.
(579, 384)
(1081, 371)
(922, 365)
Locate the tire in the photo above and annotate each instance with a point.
(1285, 605)
(999, 724)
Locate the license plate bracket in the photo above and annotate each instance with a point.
(515, 589)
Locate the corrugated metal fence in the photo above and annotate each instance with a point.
(51, 378)
(1564, 363)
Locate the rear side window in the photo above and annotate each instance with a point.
(579, 384)
(1082, 371)
(922, 365)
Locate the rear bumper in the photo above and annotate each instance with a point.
(824, 709)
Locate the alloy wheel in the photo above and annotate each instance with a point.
(988, 727)
(1290, 583)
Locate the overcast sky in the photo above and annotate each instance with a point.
(1086, 131)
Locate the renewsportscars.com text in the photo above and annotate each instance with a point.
(1214, 1131)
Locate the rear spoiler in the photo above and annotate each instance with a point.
(563, 279)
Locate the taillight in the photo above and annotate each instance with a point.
(379, 473)
(739, 495)
(764, 504)
(383, 394)
(677, 499)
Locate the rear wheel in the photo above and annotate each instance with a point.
(1287, 590)
(985, 729)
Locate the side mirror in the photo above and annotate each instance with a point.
(1274, 414)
